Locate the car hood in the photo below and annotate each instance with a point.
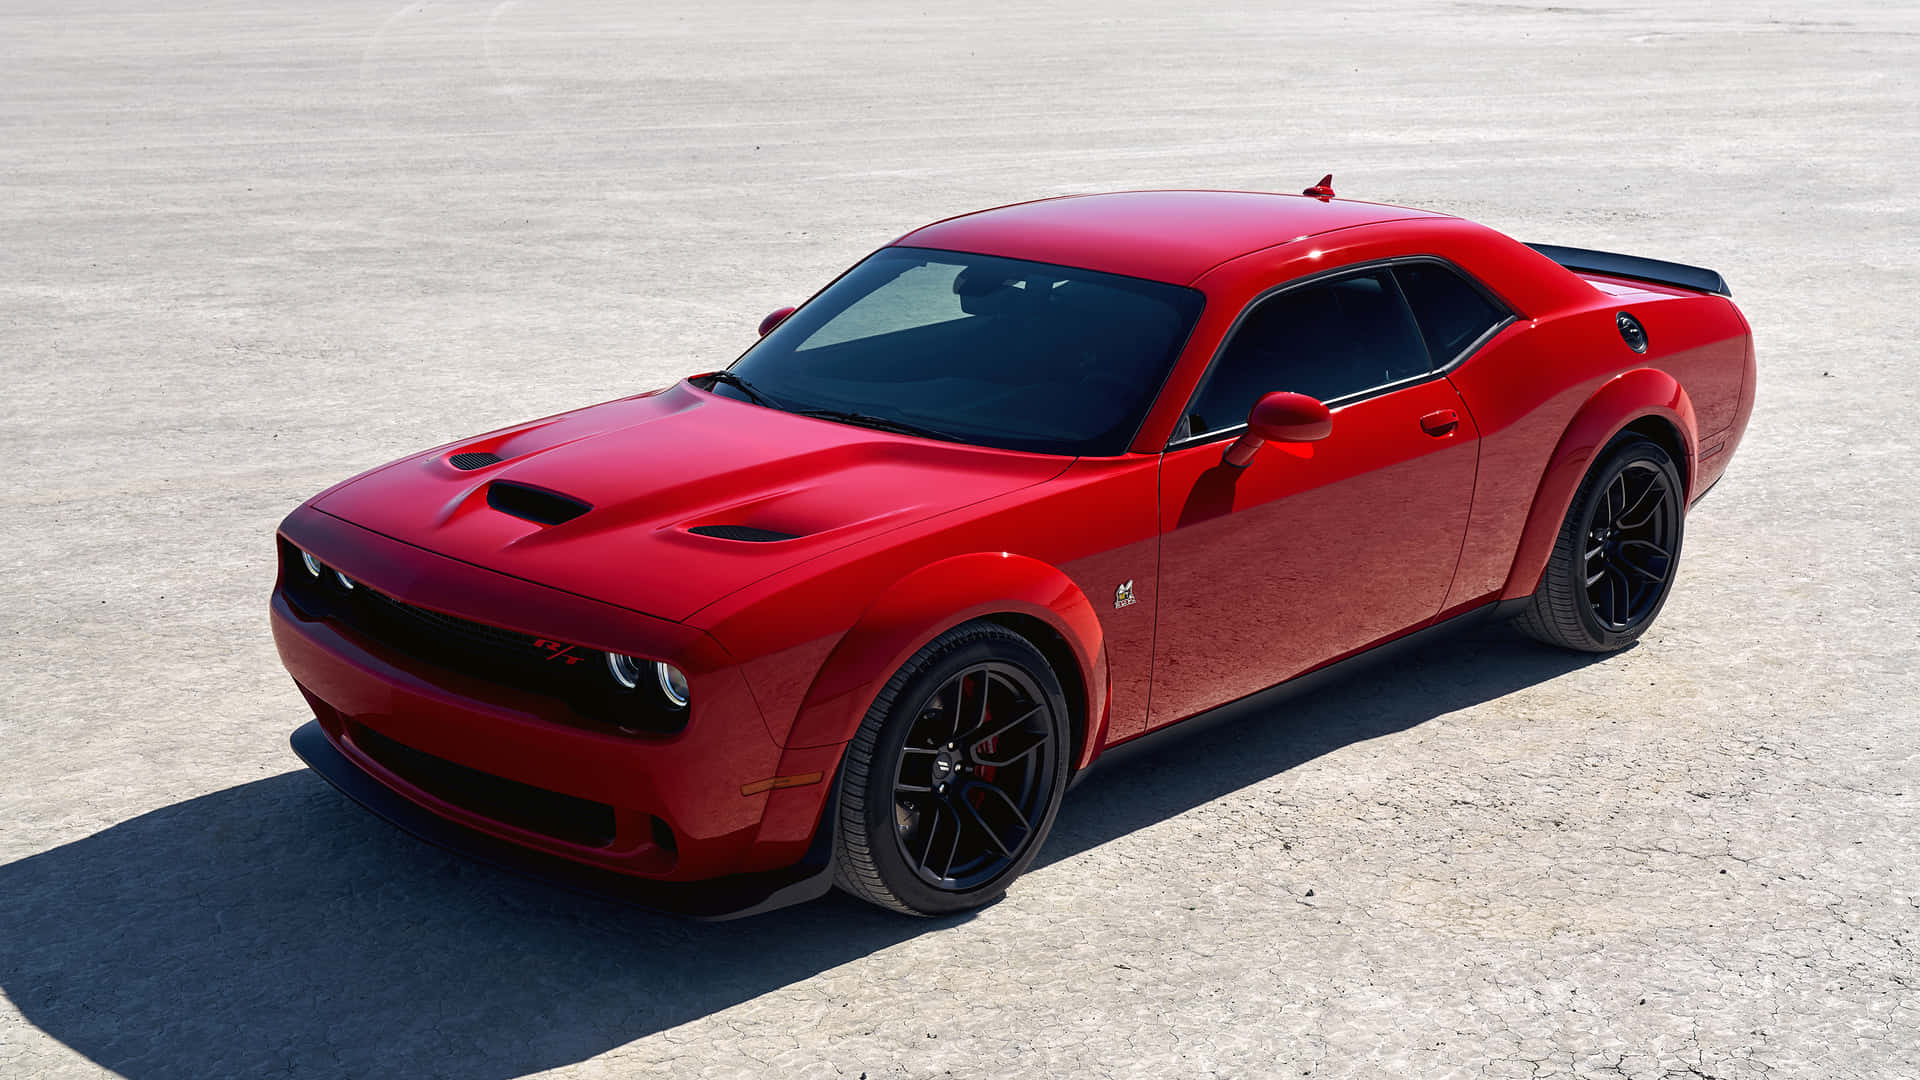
(605, 502)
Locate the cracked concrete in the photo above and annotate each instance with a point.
(247, 250)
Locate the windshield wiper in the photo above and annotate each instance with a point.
(744, 387)
(883, 423)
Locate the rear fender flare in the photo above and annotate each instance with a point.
(1622, 400)
(927, 603)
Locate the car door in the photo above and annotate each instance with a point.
(1314, 550)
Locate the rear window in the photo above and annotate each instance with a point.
(1452, 314)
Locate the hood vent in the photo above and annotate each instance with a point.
(475, 459)
(743, 533)
(533, 504)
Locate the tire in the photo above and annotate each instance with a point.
(933, 818)
(1617, 554)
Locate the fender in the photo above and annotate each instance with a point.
(927, 603)
(1627, 397)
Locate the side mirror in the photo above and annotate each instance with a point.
(1280, 417)
(774, 318)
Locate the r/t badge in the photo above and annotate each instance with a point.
(1123, 596)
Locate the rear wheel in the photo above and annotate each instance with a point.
(955, 775)
(1613, 563)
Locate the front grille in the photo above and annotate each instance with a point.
(535, 809)
(478, 640)
(572, 675)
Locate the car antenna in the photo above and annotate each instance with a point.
(1322, 190)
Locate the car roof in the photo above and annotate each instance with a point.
(1171, 236)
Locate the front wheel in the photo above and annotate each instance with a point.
(955, 775)
(1614, 561)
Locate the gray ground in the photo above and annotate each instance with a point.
(248, 249)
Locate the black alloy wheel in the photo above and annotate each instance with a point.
(1632, 529)
(972, 776)
(955, 775)
(1617, 553)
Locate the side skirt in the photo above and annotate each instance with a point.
(1240, 708)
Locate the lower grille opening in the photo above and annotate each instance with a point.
(663, 837)
(563, 817)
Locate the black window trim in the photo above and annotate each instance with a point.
(1436, 370)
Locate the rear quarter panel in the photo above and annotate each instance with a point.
(1526, 389)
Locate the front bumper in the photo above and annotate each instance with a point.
(732, 897)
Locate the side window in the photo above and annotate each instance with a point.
(1327, 341)
(1452, 313)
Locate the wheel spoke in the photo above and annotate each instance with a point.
(933, 830)
(953, 849)
(975, 737)
(1623, 561)
(1003, 759)
(976, 714)
(1006, 800)
(1650, 498)
(950, 698)
(1656, 548)
(992, 836)
(1620, 591)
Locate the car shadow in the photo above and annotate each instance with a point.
(276, 927)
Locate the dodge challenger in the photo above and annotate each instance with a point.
(1017, 488)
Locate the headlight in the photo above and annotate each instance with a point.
(624, 669)
(312, 564)
(673, 683)
(628, 671)
(345, 581)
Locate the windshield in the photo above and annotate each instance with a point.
(999, 352)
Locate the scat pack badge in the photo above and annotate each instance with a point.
(1123, 596)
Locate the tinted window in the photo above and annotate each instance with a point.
(1452, 313)
(1326, 341)
(1000, 352)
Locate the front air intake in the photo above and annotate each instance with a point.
(534, 504)
(744, 533)
(475, 459)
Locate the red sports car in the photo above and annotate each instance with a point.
(1018, 487)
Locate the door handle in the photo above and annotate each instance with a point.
(1440, 422)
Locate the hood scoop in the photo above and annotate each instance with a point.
(745, 534)
(534, 504)
(475, 459)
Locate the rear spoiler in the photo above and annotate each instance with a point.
(1580, 260)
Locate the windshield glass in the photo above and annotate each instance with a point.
(999, 352)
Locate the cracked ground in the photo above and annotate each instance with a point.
(247, 250)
